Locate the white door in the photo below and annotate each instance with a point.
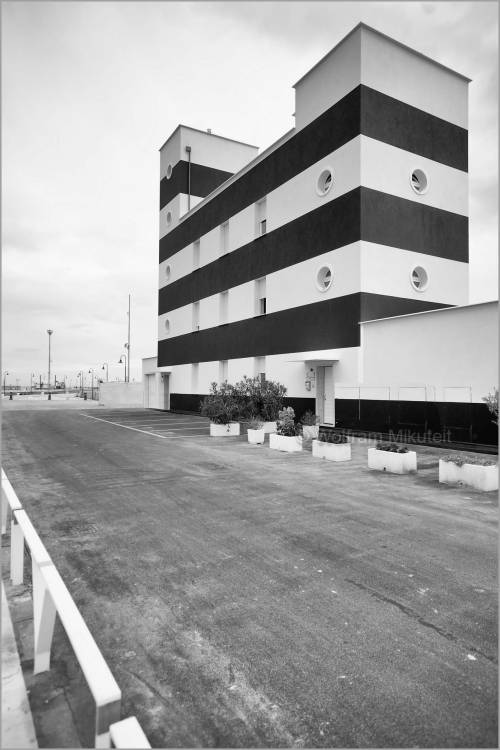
(150, 392)
(325, 399)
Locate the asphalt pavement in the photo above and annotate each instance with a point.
(248, 598)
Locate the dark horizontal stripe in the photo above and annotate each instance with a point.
(360, 214)
(446, 422)
(398, 124)
(330, 324)
(409, 225)
(362, 111)
(203, 181)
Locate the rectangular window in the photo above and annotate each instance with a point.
(261, 217)
(222, 370)
(260, 296)
(196, 254)
(224, 238)
(196, 316)
(223, 307)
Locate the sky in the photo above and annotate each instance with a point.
(91, 90)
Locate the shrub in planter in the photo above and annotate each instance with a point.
(473, 471)
(263, 398)
(332, 446)
(310, 426)
(393, 458)
(255, 431)
(287, 436)
(222, 407)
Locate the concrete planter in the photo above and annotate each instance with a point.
(484, 478)
(310, 431)
(256, 437)
(283, 443)
(393, 463)
(270, 427)
(331, 451)
(224, 430)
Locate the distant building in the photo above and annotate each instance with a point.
(276, 263)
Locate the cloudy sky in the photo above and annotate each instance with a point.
(91, 90)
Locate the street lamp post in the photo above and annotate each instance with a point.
(127, 376)
(80, 375)
(50, 332)
(105, 365)
(123, 359)
(92, 383)
(4, 376)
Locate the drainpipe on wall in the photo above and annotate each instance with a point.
(188, 151)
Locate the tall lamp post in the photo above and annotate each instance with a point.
(105, 365)
(80, 375)
(123, 359)
(127, 347)
(91, 371)
(50, 332)
(4, 376)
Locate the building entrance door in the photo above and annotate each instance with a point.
(166, 391)
(325, 401)
(150, 391)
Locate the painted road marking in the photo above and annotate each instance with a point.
(175, 436)
(160, 421)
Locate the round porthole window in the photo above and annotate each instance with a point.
(325, 182)
(169, 171)
(324, 278)
(167, 272)
(419, 278)
(167, 326)
(169, 217)
(419, 181)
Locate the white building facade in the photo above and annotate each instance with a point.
(275, 263)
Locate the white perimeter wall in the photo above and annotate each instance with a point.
(449, 352)
(120, 394)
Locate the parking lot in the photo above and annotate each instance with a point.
(152, 422)
(249, 598)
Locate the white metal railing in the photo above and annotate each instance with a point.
(51, 597)
(128, 734)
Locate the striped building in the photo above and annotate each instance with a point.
(285, 262)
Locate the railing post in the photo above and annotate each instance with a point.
(105, 715)
(16, 553)
(44, 617)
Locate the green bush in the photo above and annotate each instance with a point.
(491, 401)
(460, 460)
(261, 399)
(391, 447)
(222, 405)
(286, 423)
(333, 437)
(309, 419)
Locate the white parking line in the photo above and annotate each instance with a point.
(143, 423)
(145, 432)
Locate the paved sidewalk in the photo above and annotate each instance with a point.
(17, 722)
